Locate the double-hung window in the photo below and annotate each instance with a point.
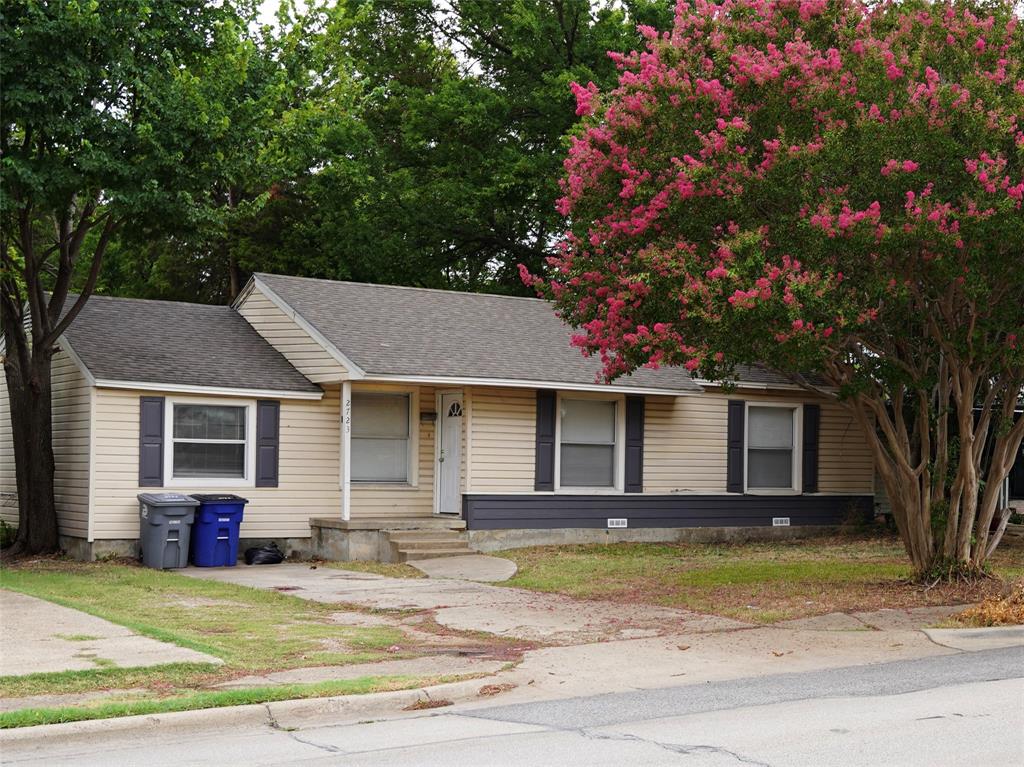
(587, 444)
(771, 448)
(209, 442)
(380, 437)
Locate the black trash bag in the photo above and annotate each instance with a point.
(264, 555)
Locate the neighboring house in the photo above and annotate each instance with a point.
(369, 408)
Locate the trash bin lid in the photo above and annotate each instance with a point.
(167, 499)
(218, 498)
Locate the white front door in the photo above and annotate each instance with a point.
(449, 454)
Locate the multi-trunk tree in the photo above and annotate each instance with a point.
(110, 117)
(822, 186)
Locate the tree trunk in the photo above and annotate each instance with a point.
(959, 544)
(32, 427)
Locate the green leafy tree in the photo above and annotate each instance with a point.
(402, 141)
(826, 187)
(111, 115)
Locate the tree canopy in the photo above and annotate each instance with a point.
(403, 141)
(821, 186)
(112, 119)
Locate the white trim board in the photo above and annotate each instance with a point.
(513, 383)
(220, 391)
(249, 478)
(757, 386)
(65, 346)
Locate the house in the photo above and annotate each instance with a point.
(377, 421)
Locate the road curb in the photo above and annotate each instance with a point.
(974, 639)
(285, 714)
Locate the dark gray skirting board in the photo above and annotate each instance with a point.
(548, 511)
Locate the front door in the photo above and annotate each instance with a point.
(449, 454)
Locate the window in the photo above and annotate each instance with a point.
(380, 437)
(209, 441)
(771, 448)
(587, 445)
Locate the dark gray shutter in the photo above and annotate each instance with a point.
(812, 424)
(268, 440)
(734, 465)
(634, 480)
(151, 441)
(544, 465)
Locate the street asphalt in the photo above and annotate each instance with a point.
(851, 682)
(963, 709)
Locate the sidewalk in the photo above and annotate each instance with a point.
(38, 636)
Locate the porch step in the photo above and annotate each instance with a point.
(408, 545)
(414, 554)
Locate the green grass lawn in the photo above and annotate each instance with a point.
(763, 582)
(252, 630)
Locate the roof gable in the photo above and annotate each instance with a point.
(181, 345)
(398, 332)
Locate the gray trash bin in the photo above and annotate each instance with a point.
(165, 525)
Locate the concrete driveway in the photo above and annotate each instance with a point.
(38, 636)
(594, 646)
(472, 606)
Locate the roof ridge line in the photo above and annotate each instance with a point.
(400, 287)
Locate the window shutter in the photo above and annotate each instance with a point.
(634, 480)
(812, 424)
(544, 468)
(151, 441)
(734, 466)
(268, 431)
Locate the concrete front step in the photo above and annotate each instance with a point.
(408, 555)
(429, 543)
(395, 539)
(407, 545)
(427, 535)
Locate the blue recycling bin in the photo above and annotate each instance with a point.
(215, 529)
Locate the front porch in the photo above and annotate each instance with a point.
(392, 540)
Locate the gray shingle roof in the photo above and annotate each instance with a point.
(759, 374)
(389, 330)
(169, 342)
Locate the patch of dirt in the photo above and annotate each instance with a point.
(433, 638)
(490, 690)
(427, 703)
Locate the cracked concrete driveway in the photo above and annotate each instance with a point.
(470, 606)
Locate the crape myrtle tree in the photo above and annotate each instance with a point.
(831, 187)
(108, 120)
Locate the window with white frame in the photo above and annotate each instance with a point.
(771, 448)
(380, 437)
(209, 441)
(587, 443)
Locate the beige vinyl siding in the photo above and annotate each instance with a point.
(503, 423)
(284, 334)
(400, 500)
(845, 462)
(308, 469)
(8, 483)
(684, 444)
(70, 406)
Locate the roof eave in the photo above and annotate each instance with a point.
(220, 391)
(516, 383)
